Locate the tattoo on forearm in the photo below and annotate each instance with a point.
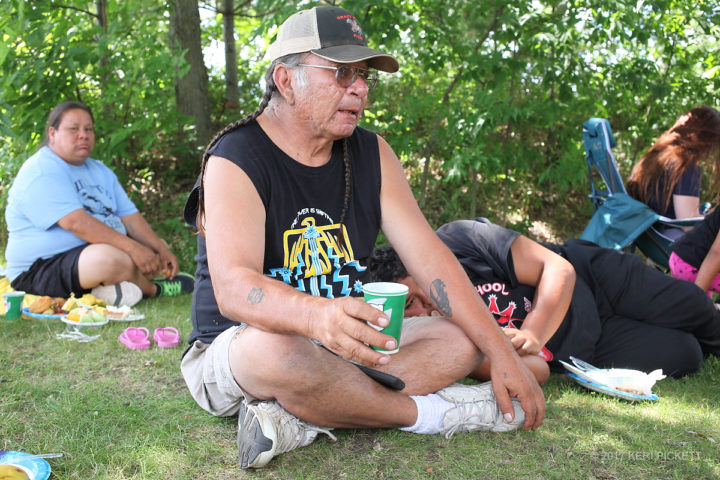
(440, 297)
(255, 296)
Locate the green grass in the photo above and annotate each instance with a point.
(118, 413)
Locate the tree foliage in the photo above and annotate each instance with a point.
(485, 113)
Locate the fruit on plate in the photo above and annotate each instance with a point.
(70, 303)
(90, 299)
(85, 315)
(11, 472)
(74, 314)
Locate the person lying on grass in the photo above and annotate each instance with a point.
(600, 305)
(289, 204)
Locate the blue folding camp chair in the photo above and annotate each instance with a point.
(619, 220)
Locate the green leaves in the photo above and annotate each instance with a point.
(488, 88)
(489, 99)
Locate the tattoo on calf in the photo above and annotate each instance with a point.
(255, 296)
(440, 297)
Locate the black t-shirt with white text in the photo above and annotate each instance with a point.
(305, 244)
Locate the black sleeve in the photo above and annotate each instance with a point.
(482, 248)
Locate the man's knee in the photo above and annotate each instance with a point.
(105, 258)
(447, 337)
(257, 356)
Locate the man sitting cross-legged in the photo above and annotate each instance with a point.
(289, 203)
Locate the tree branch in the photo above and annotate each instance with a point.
(70, 7)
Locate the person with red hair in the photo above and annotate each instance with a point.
(667, 177)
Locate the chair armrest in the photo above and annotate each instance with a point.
(679, 222)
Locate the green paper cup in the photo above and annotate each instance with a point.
(388, 297)
(13, 304)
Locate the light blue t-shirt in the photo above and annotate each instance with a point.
(45, 190)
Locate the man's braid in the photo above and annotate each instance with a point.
(346, 161)
(340, 237)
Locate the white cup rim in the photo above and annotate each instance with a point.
(16, 293)
(385, 288)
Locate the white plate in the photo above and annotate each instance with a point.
(576, 371)
(84, 324)
(130, 318)
(632, 397)
(133, 317)
(621, 379)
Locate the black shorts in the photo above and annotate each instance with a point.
(55, 276)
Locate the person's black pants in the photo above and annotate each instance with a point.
(647, 319)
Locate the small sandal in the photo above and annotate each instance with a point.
(135, 337)
(167, 337)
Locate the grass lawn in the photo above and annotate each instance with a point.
(118, 413)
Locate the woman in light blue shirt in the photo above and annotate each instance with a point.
(72, 227)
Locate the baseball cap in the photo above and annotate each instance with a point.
(331, 33)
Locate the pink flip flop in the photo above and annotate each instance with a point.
(135, 337)
(167, 337)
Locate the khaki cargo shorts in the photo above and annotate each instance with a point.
(206, 370)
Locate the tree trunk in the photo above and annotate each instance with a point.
(101, 6)
(102, 14)
(232, 92)
(191, 90)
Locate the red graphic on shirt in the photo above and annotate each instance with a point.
(505, 316)
(495, 310)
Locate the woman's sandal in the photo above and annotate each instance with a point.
(135, 337)
(167, 337)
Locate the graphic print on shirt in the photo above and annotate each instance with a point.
(318, 257)
(97, 203)
(503, 301)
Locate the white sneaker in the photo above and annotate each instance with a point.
(476, 409)
(265, 430)
(123, 293)
(460, 393)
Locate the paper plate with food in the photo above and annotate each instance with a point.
(45, 307)
(23, 466)
(122, 313)
(628, 384)
(85, 317)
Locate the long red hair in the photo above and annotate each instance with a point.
(692, 140)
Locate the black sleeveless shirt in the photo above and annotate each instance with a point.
(303, 206)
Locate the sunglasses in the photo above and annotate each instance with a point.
(346, 75)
